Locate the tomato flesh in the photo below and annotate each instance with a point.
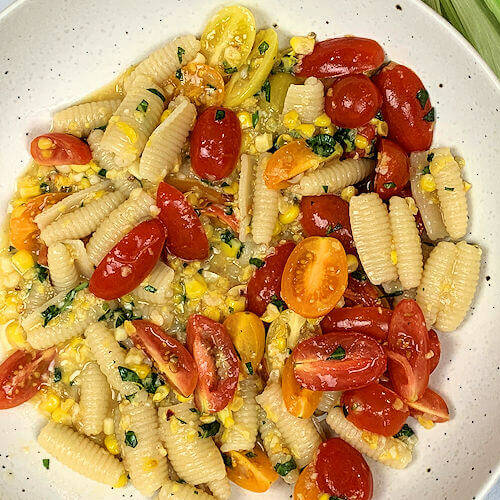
(219, 212)
(360, 292)
(431, 406)
(435, 348)
(170, 357)
(129, 262)
(338, 361)
(186, 237)
(392, 170)
(306, 487)
(60, 149)
(22, 374)
(215, 143)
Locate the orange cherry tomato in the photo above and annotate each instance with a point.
(251, 470)
(306, 487)
(299, 402)
(60, 149)
(431, 406)
(207, 194)
(435, 347)
(315, 276)
(393, 169)
(288, 161)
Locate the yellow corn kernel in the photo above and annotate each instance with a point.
(22, 261)
(324, 496)
(50, 402)
(122, 481)
(161, 393)
(370, 438)
(236, 304)
(306, 130)
(245, 119)
(111, 444)
(45, 143)
(289, 215)
(323, 121)
(352, 263)
(182, 398)
(467, 186)
(361, 142)
(226, 417)
(394, 257)
(30, 192)
(263, 142)
(283, 139)
(291, 119)
(329, 129)
(381, 125)
(142, 370)
(94, 166)
(165, 115)
(277, 228)
(67, 404)
(79, 168)
(270, 314)
(84, 184)
(129, 327)
(280, 343)
(15, 335)
(61, 417)
(348, 192)
(211, 312)
(302, 44)
(128, 131)
(425, 422)
(232, 189)
(195, 287)
(232, 248)
(427, 183)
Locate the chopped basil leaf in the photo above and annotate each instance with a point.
(128, 375)
(152, 382)
(226, 236)
(280, 304)
(180, 53)
(194, 410)
(142, 106)
(346, 136)
(228, 210)
(378, 115)
(389, 185)
(287, 63)
(121, 314)
(44, 187)
(183, 422)
(178, 74)
(250, 454)
(228, 462)
(103, 128)
(284, 468)
(181, 481)
(219, 115)
(426, 170)
(331, 229)
(430, 157)
(429, 116)
(249, 367)
(157, 93)
(57, 374)
(258, 263)
(150, 289)
(46, 463)
(41, 272)
(240, 250)
(52, 311)
(210, 86)
(359, 275)
(322, 145)
(266, 88)
(130, 397)
(263, 47)
(405, 431)
(338, 354)
(345, 410)
(229, 69)
(208, 430)
(255, 118)
(392, 294)
(102, 172)
(446, 188)
(423, 97)
(325, 189)
(131, 439)
(224, 184)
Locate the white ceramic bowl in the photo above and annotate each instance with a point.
(53, 52)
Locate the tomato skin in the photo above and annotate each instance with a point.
(341, 56)
(169, 355)
(392, 170)
(218, 212)
(129, 262)
(431, 406)
(67, 150)
(208, 194)
(186, 237)
(215, 143)
(22, 374)
(322, 216)
(364, 362)
(204, 336)
(375, 408)
(342, 471)
(401, 108)
(266, 281)
(408, 345)
(352, 101)
(435, 347)
(306, 487)
(371, 321)
(360, 292)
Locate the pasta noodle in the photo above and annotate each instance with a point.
(157, 287)
(105, 159)
(328, 400)
(82, 262)
(63, 273)
(307, 99)
(172, 490)
(220, 488)
(39, 293)
(245, 190)
(126, 184)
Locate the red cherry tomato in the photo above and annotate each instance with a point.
(352, 101)
(186, 237)
(217, 363)
(266, 281)
(60, 149)
(220, 212)
(327, 215)
(406, 107)
(408, 345)
(170, 357)
(360, 292)
(435, 347)
(341, 56)
(342, 471)
(371, 321)
(376, 409)
(129, 262)
(392, 170)
(215, 143)
(338, 361)
(22, 374)
(431, 406)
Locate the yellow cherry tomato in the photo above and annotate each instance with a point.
(279, 87)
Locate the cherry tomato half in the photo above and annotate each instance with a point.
(22, 374)
(338, 361)
(341, 56)
(207, 194)
(60, 149)
(306, 487)
(186, 237)
(170, 357)
(375, 408)
(215, 143)
(265, 284)
(128, 263)
(342, 471)
(371, 321)
(431, 406)
(315, 276)
(217, 363)
(408, 345)
(406, 107)
(360, 292)
(352, 101)
(392, 170)
(435, 348)
(220, 212)
(327, 215)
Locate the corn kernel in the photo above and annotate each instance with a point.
(30, 192)
(84, 184)
(270, 314)
(128, 131)
(394, 257)
(306, 129)
(323, 121)
(370, 438)
(348, 192)
(111, 444)
(324, 496)
(232, 189)
(61, 417)
(181, 398)
(129, 327)
(108, 426)
(211, 312)
(427, 183)
(352, 263)
(79, 168)
(277, 228)
(142, 370)
(122, 481)
(165, 115)
(263, 142)
(236, 304)
(425, 422)
(45, 143)
(15, 335)
(195, 287)
(291, 119)
(289, 215)
(161, 393)
(232, 249)
(245, 119)
(22, 261)
(329, 130)
(302, 44)
(381, 126)
(361, 142)
(467, 186)
(50, 402)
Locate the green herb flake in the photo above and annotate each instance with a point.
(346, 136)
(152, 382)
(46, 463)
(338, 354)
(331, 229)
(255, 118)
(405, 431)
(57, 374)
(157, 93)
(325, 189)
(359, 275)
(446, 188)
(219, 115)
(228, 210)
(128, 375)
(345, 411)
(287, 63)
(423, 97)
(426, 170)
(389, 185)
(103, 128)
(284, 468)
(263, 47)
(266, 89)
(41, 272)
(142, 106)
(52, 311)
(183, 422)
(226, 236)
(44, 187)
(322, 145)
(258, 263)
(131, 439)
(280, 304)
(429, 116)
(180, 53)
(430, 157)
(209, 430)
(229, 69)
(210, 86)
(378, 115)
(227, 460)
(240, 250)
(150, 289)
(392, 294)
(250, 454)
(249, 367)
(130, 397)
(178, 75)
(102, 172)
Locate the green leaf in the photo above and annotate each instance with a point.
(426, 170)
(446, 188)
(258, 263)
(287, 63)
(331, 229)
(263, 47)
(322, 145)
(228, 210)
(392, 294)
(57, 374)
(429, 116)
(128, 375)
(219, 115)
(152, 382)
(250, 454)
(178, 75)
(44, 187)
(284, 468)
(389, 185)
(226, 236)
(266, 88)
(52, 311)
(228, 462)
(229, 69)
(325, 189)
(249, 367)
(41, 272)
(423, 97)
(46, 462)
(430, 157)
(150, 289)
(208, 430)
(102, 172)
(338, 354)
(130, 397)
(157, 93)
(180, 53)
(359, 275)
(142, 106)
(346, 136)
(131, 439)
(405, 431)
(255, 118)
(280, 304)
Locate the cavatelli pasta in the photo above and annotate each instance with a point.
(82, 221)
(276, 449)
(333, 176)
(39, 294)
(308, 99)
(95, 399)
(105, 159)
(134, 120)
(80, 454)
(126, 184)
(79, 120)
(144, 462)
(265, 205)
(386, 450)
(220, 488)
(157, 287)
(406, 243)
(328, 400)
(371, 231)
(245, 190)
(159, 314)
(242, 434)
(118, 223)
(163, 147)
(62, 269)
(196, 459)
(173, 490)
(79, 254)
(299, 434)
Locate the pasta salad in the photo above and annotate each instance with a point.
(233, 264)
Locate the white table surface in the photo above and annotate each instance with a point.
(494, 493)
